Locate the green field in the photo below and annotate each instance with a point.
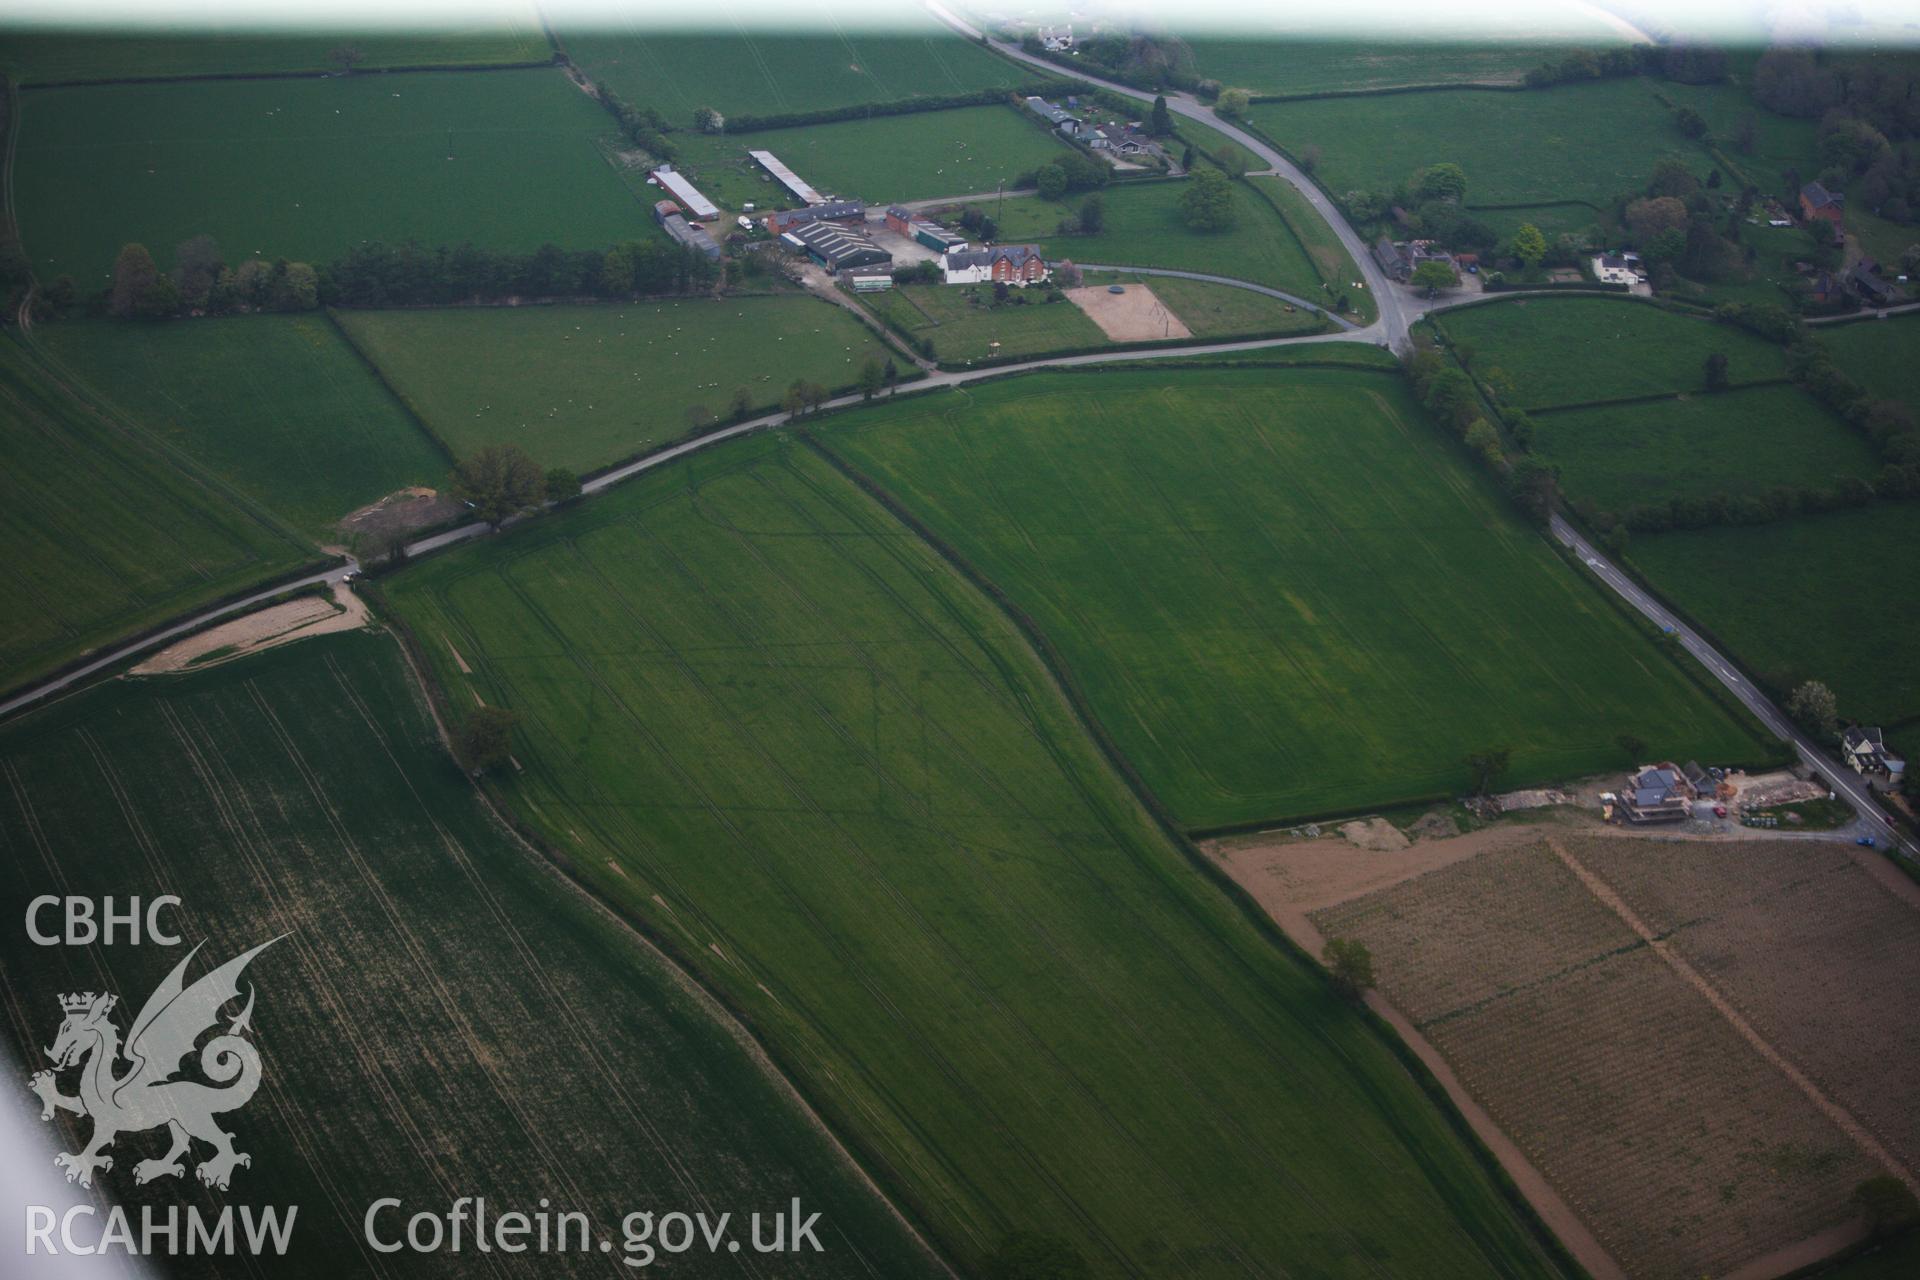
(587, 386)
(1218, 310)
(752, 70)
(880, 161)
(1561, 351)
(1831, 597)
(279, 406)
(766, 718)
(444, 1015)
(965, 326)
(1329, 257)
(1738, 443)
(1283, 593)
(1587, 142)
(1878, 354)
(104, 533)
(1351, 355)
(307, 169)
(506, 31)
(1144, 229)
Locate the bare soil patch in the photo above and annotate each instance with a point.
(1374, 834)
(401, 513)
(1133, 316)
(263, 629)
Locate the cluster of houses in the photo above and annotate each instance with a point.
(1118, 138)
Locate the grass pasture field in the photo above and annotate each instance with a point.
(1740, 443)
(1217, 310)
(1144, 229)
(306, 169)
(104, 532)
(882, 160)
(1283, 593)
(587, 386)
(765, 717)
(965, 327)
(1877, 354)
(279, 406)
(755, 70)
(1567, 351)
(1775, 591)
(443, 1014)
(504, 31)
(1330, 258)
(1586, 142)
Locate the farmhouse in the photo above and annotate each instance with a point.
(1818, 202)
(690, 235)
(1866, 753)
(698, 206)
(787, 178)
(850, 213)
(1611, 268)
(1398, 258)
(836, 247)
(1015, 264)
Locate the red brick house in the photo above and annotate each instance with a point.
(1818, 202)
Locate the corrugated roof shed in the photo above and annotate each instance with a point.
(687, 194)
(787, 178)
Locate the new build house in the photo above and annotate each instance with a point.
(1015, 264)
(1864, 749)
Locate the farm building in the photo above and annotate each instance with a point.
(698, 206)
(690, 235)
(1864, 279)
(929, 234)
(837, 248)
(795, 186)
(1818, 202)
(847, 212)
(1058, 117)
(1016, 264)
(865, 283)
(664, 209)
(1865, 751)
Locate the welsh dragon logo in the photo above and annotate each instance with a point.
(145, 1095)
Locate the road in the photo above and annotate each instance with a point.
(1843, 780)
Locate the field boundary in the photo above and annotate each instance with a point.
(216, 76)
(1655, 397)
(380, 376)
(1553, 1251)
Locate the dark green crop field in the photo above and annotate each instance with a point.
(104, 533)
(1832, 597)
(443, 1015)
(889, 158)
(765, 717)
(1562, 351)
(1284, 593)
(764, 72)
(306, 169)
(280, 406)
(587, 386)
(1740, 443)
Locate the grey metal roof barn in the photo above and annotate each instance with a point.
(690, 235)
(796, 186)
(836, 247)
(686, 193)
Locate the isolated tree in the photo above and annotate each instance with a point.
(1050, 181)
(134, 277)
(1487, 766)
(707, 120)
(562, 485)
(741, 406)
(1441, 182)
(1634, 748)
(1350, 965)
(815, 394)
(1310, 157)
(484, 739)
(1001, 291)
(1160, 124)
(1067, 273)
(1093, 214)
(872, 378)
(890, 374)
(1186, 158)
(1233, 103)
(1887, 1203)
(1207, 203)
(346, 56)
(1529, 245)
(1716, 371)
(1433, 275)
(499, 480)
(793, 401)
(1814, 708)
(1691, 122)
(196, 269)
(1028, 1255)
(1672, 177)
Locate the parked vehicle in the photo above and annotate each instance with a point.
(1866, 841)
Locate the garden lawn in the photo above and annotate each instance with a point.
(1562, 351)
(307, 169)
(1878, 354)
(1284, 593)
(279, 406)
(1737, 443)
(767, 720)
(964, 325)
(104, 532)
(1832, 597)
(585, 387)
(751, 70)
(1144, 229)
(506, 31)
(1587, 142)
(1219, 310)
(880, 161)
(442, 1009)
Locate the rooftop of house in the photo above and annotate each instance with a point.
(1817, 196)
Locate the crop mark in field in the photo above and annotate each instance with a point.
(1664, 948)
